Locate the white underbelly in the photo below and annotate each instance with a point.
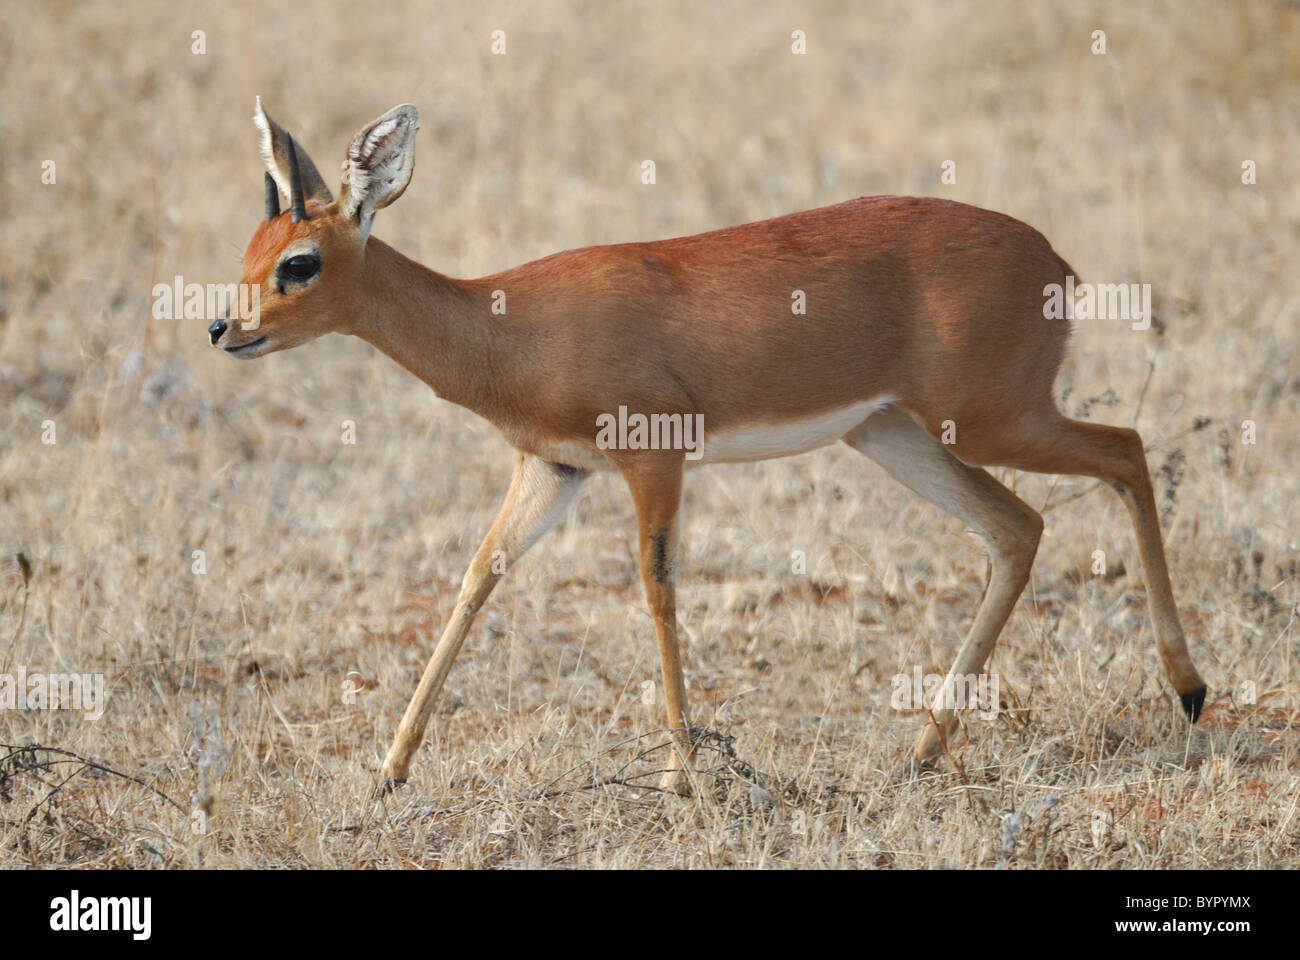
(576, 455)
(766, 441)
(763, 441)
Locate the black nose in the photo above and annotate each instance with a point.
(216, 330)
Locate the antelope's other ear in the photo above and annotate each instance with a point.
(273, 142)
(379, 165)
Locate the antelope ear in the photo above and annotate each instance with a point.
(379, 165)
(273, 142)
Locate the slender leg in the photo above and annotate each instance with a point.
(1116, 455)
(539, 492)
(656, 485)
(1009, 526)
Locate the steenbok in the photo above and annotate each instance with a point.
(924, 345)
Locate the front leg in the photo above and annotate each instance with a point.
(539, 492)
(656, 485)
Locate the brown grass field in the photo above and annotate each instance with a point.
(248, 707)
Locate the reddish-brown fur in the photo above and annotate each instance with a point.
(933, 309)
(885, 316)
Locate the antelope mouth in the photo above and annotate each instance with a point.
(247, 349)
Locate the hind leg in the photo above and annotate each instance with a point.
(1009, 526)
(1055, 444)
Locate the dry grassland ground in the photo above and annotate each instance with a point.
(248, 707)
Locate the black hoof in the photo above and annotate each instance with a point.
(912, 769)
(1193, 702)
(389, 785)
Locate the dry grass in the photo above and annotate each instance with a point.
(331, 566)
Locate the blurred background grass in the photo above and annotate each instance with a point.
(326, 560)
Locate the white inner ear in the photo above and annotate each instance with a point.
(379, 164)
(265, 147)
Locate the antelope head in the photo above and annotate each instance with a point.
(307, 262)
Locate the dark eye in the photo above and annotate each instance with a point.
(302, 267)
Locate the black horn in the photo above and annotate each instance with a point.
(272, 199)
(297, 208)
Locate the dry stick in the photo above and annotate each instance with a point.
(943, 742)
(1137, 189)
(961, 770)
(575, 853)
(1151, 369)
(46, 799)
(1151, 448)
(650, 733)
(153, 262)
(616, 782)
(1137, 412)
(732, 763)
(17, 751)
(25, 569)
